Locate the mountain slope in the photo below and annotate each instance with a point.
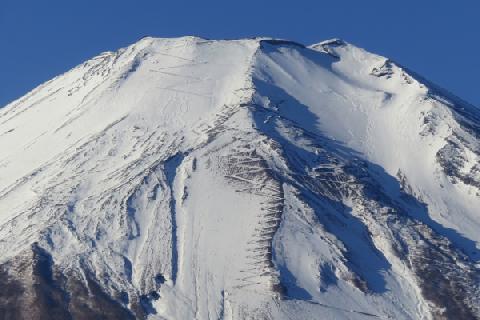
(245, 179)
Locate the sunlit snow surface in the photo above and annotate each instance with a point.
(246, 179)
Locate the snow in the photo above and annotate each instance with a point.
(240, 173)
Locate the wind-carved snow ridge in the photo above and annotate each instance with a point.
(243, 179)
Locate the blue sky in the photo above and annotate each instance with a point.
(438, 39)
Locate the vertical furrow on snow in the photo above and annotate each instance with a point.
(171, 166)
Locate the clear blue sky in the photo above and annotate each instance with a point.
(438, 39)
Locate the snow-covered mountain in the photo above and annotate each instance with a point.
(244, 179)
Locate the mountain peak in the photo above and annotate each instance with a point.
(331, 42)
(191, 178)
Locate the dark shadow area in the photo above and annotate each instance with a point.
(327, 277)
(289, 283)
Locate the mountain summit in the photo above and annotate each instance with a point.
(242, 179)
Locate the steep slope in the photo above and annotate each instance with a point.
(246, 179)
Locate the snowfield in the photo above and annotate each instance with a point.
(242, 179)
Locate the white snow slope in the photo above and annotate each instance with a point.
(245, 179)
